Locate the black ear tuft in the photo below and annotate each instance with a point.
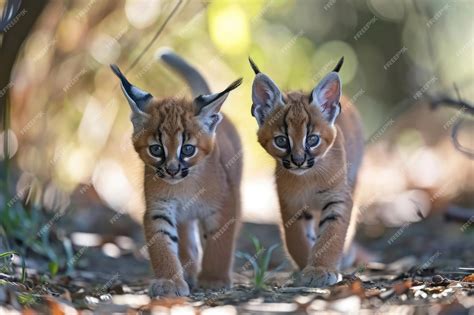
(339, 65)
(254, 66)
(119, 74)
(207, 107)
(232, 86)
(203, 100)
(138, 97)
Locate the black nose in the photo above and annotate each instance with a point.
(298, 160)
(172, 170)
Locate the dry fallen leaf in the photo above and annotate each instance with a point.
(357, 288)
(54, 307)
(369, 293)
(402, 287)
(437, 289)
(469, 278)
(166, 303)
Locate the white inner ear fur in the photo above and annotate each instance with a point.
(266, 96)
(326, 98)
(210, 117)
(336, 113)
(135, 109)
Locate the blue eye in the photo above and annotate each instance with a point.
(188, 150)
(156, 150)
(313, 140)
(281, 142)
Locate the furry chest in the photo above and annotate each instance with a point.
(306, 196)
(195, 209)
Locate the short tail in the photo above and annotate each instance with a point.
(192, 77)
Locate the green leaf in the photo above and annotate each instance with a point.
(248, 258)
(6, 254)
(255, 242)
(23, 269)
(26, 299)
(53, 268)
(268, 255)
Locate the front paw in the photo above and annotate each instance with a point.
(167, 287)
(209, 283)
(316, 277)
(191, 281)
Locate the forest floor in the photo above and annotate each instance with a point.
(422, 268)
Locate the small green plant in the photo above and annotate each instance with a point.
(26, 229)
(6, 258)
(27, 299)
(259, 261)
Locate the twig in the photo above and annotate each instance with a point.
(459, 103)
(155, 37)
(451, 102)
(459, 214)
(454, 137)
(461, 106)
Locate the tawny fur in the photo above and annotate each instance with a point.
(322, 194)
(182, 190)
(210, 194)
(193, 169)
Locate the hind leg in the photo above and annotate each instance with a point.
(219, 233)
(189, 253)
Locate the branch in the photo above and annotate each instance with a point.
(451, 102)
(155, 37)
(454, 137)
(460, 105)
(15, 33)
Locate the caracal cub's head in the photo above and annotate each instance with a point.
(296, 128)
(173, 136)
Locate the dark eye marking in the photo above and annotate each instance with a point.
(305, 215)
(185, 172)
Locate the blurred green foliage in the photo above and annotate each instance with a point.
(70, 121)
(63, 75)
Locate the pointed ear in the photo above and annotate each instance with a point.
(326, 96)
(208, 107)
(266, 96)
(138, 99)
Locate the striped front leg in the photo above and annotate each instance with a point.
(162, 242)
(322, 268)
